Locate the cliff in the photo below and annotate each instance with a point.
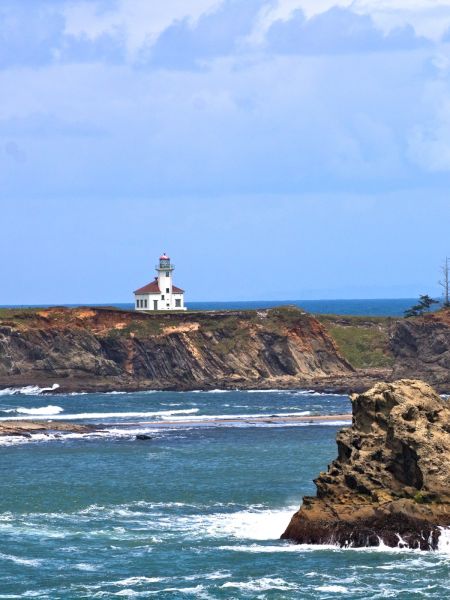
(395, 348)
(106, 349)
(421, 348)
(391, 480)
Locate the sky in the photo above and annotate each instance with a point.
(276, 149)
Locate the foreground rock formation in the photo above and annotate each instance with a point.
(88, 349)
(391, 480)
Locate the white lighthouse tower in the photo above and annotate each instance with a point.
(161, 293)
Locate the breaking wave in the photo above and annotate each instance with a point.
(261, 585)
(42, 410)
(29, 390)
(444, 540)
(98, 415)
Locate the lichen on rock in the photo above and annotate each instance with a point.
(391, 480)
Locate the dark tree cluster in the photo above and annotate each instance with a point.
(424, 305)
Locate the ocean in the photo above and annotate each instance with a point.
(194, 512)
(390, 307)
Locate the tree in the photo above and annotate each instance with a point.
(424, 304)
(445, 283)
(411, 312)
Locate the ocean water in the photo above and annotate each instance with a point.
(194, 512)
(391, 307)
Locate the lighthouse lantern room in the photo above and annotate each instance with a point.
(160, 294)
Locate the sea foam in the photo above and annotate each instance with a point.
(103, 415)
(444, 540)
(261, 585)
(29, 390)
(41, 410)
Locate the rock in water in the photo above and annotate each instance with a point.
(391, 480)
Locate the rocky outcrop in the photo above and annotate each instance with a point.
(106, 349)
(391, 480)
(27, 428)
(421, 348)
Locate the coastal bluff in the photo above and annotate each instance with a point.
(105, 349)
(390, 483)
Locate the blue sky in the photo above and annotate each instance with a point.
(275, 148)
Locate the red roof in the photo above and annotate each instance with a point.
(164, 257)
(153, 288)
(150, 288)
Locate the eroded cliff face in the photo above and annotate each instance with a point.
(112, 349)
(391, 480)
(421, 348)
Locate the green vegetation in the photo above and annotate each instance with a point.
(423, 498)
(363, 341)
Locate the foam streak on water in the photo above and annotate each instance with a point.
(30, 390)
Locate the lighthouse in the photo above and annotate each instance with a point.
(161, 293)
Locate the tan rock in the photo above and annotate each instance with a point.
(391, 479)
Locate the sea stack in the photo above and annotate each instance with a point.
(390, 483)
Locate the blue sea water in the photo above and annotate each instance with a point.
(391, 307)
(194, 512)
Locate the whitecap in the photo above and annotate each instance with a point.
(29, 390)
(185, 590)
(254, 523)
(85, 567)
(49, 410)
(266, 391)
(336, 589)
(112, 415)
(277, 548)
(26, 562)
(261, 585)
(139, 580)
(444, 540)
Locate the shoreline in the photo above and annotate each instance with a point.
(358, 381)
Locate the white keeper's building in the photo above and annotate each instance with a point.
(160, 294)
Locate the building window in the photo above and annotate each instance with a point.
(145, 303)
(137, 303)
(167, 273)
(162, 297)
(178, 303)
(167, 291)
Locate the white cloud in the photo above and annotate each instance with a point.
(429, 19)
(338, 30)
(141, 20)
(254, 120)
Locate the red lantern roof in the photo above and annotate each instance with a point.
(164, 257)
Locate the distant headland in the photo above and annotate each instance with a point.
(105, 349)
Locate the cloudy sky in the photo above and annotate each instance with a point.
(275, 148)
